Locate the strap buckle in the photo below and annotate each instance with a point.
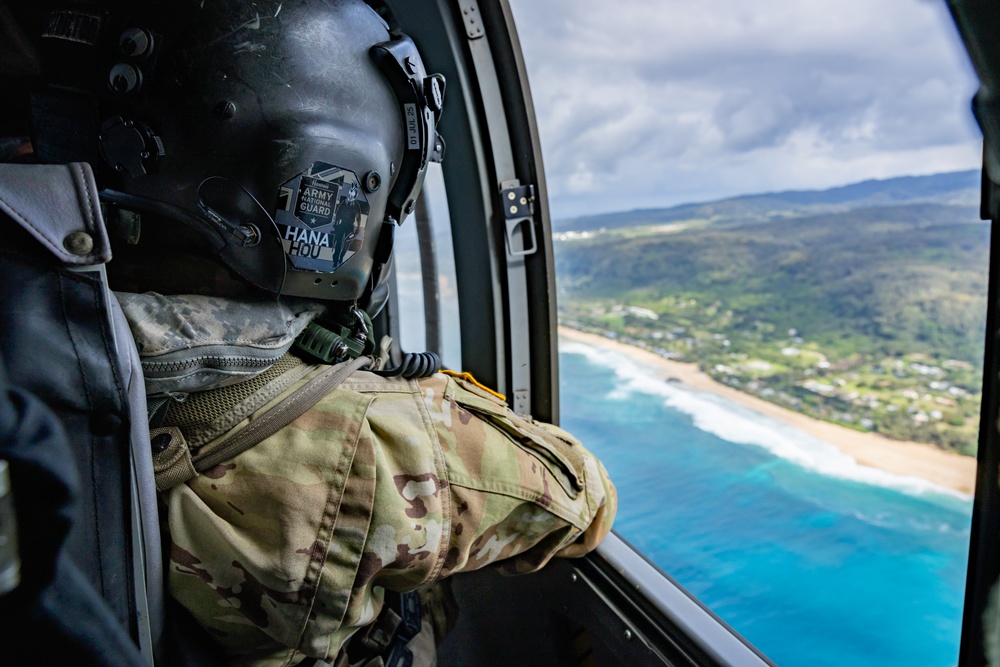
(387, 637)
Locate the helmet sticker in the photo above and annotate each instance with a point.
(322, 214)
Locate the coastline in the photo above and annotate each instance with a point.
(915, 459)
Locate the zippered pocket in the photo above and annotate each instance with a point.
(189, 370)
(559, 452)
(190, 343)
(235, 363)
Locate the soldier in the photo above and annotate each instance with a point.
(347, 224)
(301, 490)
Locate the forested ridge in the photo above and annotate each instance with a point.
(872, 317)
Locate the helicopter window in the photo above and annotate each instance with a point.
(804, 465)
(423, 241)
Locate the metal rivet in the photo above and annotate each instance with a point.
(513, 209)
(225, 109)
(79, 243)
(373, 181)
(145, 155)
(524, 201)
(510, 196)
(628, 635)
(160, 442)
(573, 576)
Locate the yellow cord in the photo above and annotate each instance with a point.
(468, 376)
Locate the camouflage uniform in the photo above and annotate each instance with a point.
(285, 551)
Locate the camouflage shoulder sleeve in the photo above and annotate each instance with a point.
(286, 550)
(521, 491)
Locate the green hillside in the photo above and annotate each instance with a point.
(873, 317)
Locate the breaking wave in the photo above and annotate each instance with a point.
(738, 424)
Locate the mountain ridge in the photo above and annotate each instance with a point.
(952, 188)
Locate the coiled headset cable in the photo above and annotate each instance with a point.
(413, 365)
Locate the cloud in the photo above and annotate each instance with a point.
(646, 104)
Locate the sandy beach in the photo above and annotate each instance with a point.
(902, 458)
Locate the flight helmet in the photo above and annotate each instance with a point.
(290, 137)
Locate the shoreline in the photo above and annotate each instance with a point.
(914, 459)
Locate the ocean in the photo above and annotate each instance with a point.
(815, 560)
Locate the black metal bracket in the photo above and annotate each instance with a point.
(518, 203)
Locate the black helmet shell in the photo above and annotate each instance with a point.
(278, 126)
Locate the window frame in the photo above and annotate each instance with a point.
(509, 331)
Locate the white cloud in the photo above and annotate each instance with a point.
(642, 104)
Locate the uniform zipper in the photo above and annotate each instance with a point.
(168, 366)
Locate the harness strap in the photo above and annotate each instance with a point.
(282, 414)
(208, 416)
(384, 642)
(174, 464)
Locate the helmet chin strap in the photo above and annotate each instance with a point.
(377, 299)
(377, 292)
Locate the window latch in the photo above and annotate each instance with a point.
(518, 203)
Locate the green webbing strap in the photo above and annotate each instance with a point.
(172, 460)
(280, 415)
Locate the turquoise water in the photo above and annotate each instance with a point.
(815, 560)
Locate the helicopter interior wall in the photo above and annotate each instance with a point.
(613, 607)
(553, 617)
(978, 23)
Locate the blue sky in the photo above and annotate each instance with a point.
(644, 104)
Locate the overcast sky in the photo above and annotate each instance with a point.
(644, 104)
